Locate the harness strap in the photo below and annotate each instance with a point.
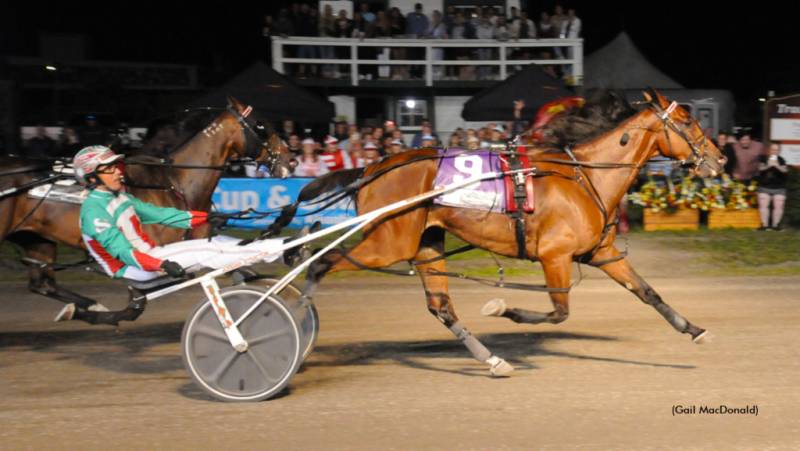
(494, 283)
(460, 250)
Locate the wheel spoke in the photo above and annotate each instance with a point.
(261, 368)
(268, 336)
(211, 333)
(223, 366)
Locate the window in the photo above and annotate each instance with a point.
(410, 113)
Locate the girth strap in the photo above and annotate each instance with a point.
(520, 195)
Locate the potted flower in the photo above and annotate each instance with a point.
(670, 205)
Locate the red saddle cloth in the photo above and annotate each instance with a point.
(511, 203)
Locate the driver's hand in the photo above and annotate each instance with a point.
(173, 269)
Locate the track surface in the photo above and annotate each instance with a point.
(386, 375)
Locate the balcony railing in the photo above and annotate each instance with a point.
(571, 55)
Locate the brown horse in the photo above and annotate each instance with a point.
(573, 218)
(186, 182)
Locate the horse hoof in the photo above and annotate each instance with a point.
(98, 307)
(495, 307)
(66, 313)
(499, 367)
(704, 337)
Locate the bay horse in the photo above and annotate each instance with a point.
(572, 221)
(186, 181)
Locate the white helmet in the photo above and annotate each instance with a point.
(89, 159)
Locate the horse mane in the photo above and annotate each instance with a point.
(185, 125)
(603, 111)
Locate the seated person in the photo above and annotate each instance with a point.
(111, 224)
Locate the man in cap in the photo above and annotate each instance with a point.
(334, 157)
(371, 154)
(111, 226)
(496, 141)
(428, 141)
(396, 147)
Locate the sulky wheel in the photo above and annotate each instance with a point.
(264, 369)
(306, 316)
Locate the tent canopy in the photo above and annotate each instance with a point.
(531, 84)
(620, 65)
(272, 96)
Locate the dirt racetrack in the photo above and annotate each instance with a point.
(387, 375)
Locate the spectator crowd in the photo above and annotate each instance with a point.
(370, 20)
(351, 146)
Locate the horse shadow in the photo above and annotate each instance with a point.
(518, 348)
(119, 350)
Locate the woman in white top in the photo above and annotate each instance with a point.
(309, 164)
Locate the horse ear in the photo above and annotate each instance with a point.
(647, 97)
(658, 98)
(233, 103)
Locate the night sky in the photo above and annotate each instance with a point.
(748, 50)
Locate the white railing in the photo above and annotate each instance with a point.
(572, 50)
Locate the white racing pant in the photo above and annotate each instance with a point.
(195, 254)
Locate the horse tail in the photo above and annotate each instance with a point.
(319, 186)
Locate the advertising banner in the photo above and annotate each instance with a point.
(264, 194)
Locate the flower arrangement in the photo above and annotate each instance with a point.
(695, 193)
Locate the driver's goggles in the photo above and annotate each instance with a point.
(110, 168)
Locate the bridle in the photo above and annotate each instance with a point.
(258, 148)
(698, 146)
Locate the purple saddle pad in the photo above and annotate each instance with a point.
(457, 165)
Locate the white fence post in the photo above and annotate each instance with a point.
(277, 54)
(503, 68)
(428, 65)
(354, 64)
(577, 66)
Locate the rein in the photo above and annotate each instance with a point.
(13, 191)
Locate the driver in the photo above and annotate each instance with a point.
(111, 225)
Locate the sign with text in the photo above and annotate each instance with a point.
(783, 126)
(237, 194)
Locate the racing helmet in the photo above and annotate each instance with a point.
(89, 159)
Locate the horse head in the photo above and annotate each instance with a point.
(683, 138)
(258, 141)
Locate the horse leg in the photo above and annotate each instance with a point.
(557, 275)
(40, 254)
(136, 305)
(439, 304)
(624, 274)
